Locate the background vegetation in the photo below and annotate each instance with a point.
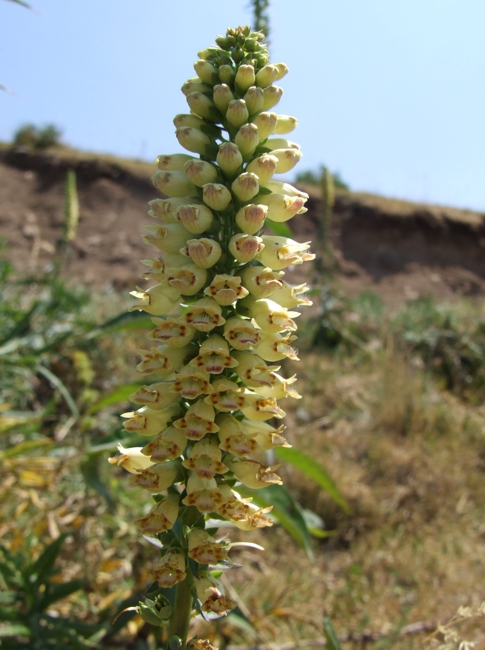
(391, 408)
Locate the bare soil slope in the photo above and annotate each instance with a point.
(399, 249)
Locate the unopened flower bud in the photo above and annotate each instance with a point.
(195, 122)
(264, 166)
(226, 74)
(203, 106)
(174, 162)
(216, 196)
(246, 186)
(247, 139)
(250, 218)
(272, 96)
(194, 85)
(195, 218)
(245, 247)
(287, 159)
(285, 188)
(254, 99)
(174, 183)
(266, 123)
(200, 172)
(204, 252)
(285, 124)
(280, 143)
(229, 158)
(282, 70)
(206, 72)
(245, 77)
(266, 76)
(222, 96)
(237, 112)
(194, 140)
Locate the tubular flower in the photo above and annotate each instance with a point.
(222, 314)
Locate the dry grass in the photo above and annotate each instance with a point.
(409, 458)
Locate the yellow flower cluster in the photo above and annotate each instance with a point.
(222, 312)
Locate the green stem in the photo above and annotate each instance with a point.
(180, 620)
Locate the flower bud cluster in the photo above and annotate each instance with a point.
(223, 314)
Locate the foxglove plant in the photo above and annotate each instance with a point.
(223, 317)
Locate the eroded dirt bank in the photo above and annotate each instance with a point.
(399, 249)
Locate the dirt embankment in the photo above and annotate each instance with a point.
(399, 249)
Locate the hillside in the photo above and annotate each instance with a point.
(399, 249)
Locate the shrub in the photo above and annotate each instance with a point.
(29, 135)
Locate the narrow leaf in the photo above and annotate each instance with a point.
(119, 394)
(57, 592)
(313, 470)
(13, 629)
(57, 383)
(332, 640)
(40, 570)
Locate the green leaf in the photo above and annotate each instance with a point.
(41, 569)
(57, 383)
(280, 229)
(313, 470)
(237, 618)
(286, 511)
(57, 592)
(119, 394)
(13, 629)
(332, 640)
(26, 447)
(124, 321)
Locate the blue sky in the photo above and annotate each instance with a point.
(389, 93)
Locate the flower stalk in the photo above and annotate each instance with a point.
(223, 315)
